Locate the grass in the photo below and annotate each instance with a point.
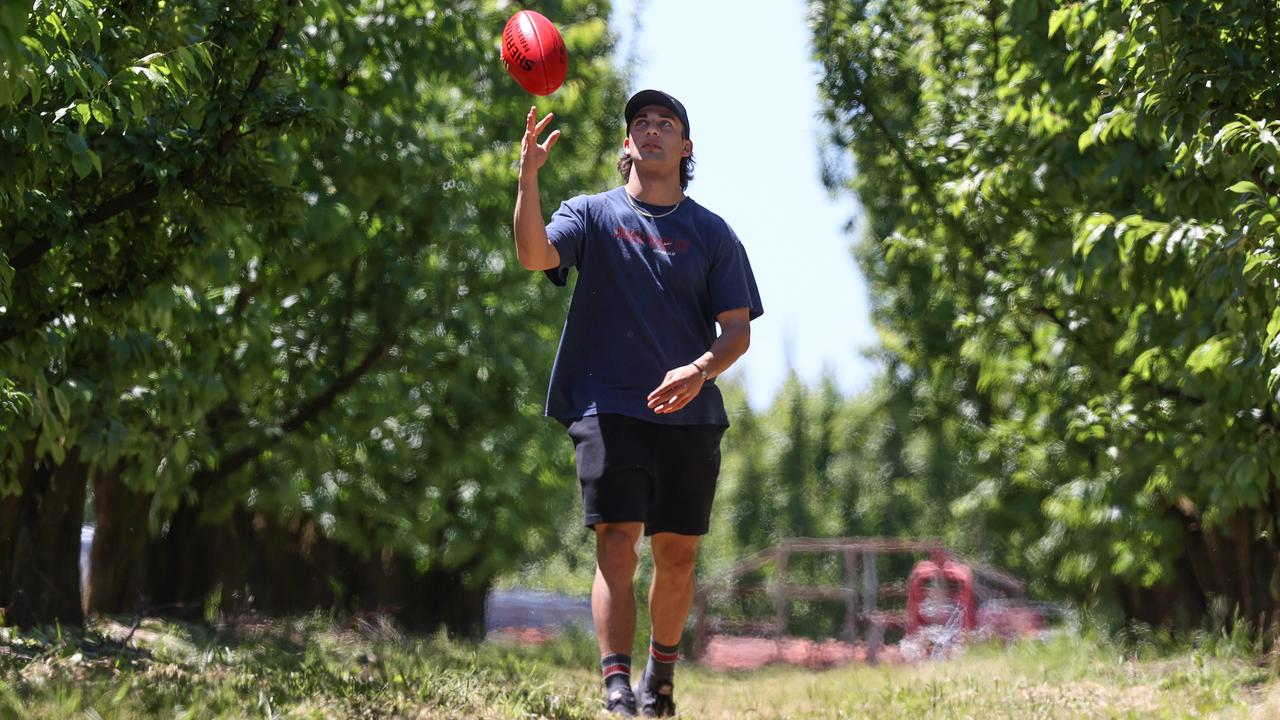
(313, 668)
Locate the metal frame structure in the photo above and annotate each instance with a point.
(861, 591)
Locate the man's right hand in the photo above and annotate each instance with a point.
(532, 248)
(532, 155)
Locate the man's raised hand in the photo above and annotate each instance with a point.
(532, 155)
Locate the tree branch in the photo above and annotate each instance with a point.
(10, 328)
(304, 413)
(310, 409)
(147, 190)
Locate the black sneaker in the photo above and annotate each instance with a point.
(621, 701)
(654, 698)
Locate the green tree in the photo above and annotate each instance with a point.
(1072, 218)
(130, 157)
(753, 510)
(323, 398)
(792, 479)
(826, 450)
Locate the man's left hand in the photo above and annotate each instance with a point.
(678, 389)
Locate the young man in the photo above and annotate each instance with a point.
(632, 379)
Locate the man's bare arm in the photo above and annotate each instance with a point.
(532, 248)
(683, 384)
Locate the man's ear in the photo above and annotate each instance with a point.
(688, 149)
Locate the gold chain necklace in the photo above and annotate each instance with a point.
(646, 213)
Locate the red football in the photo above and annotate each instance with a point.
(534, 52)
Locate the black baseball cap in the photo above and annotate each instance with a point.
(645, 98)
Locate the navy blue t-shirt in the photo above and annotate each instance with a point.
(646, 302)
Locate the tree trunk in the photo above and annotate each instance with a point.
(257, 563)
(298, 570)
(295, 568)
(10, 524)
(1206, 566)
(442, 598)
(1243, 562)
(1233, 571)
(43, 545)
(183, 563)
(118, 559)
(10, 507)
(1174, 606)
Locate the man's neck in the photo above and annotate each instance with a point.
(655, 189)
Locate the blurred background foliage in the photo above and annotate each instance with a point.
(258, 312)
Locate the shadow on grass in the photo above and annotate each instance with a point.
(310, 666)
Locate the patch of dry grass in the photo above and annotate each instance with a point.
(1066, 678)
(310, 668)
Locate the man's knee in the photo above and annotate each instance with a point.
(616, 547)
(675, 556)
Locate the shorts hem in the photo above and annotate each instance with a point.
(591, 521)
(648, 531)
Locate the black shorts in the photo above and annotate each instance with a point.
(636, 471)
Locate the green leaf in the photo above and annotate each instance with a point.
(60, 399)
(178, 72)
(1144, 363)
(152, 76)
(203, 51)
(1273, 330)
(35, 83)
(1245, 186)
(1023, 12)
(1209, 355)
(56, 22)
(1256, 259)
(1057, 17)
(80, 159)
(101, 112)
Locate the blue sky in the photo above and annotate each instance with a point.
(743, 71)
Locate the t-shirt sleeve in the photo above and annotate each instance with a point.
(567, 233)
(732, 283)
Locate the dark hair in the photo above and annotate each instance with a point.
(686, 169)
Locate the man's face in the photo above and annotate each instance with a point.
(656, 135)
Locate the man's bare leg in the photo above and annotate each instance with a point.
(613, 597)
(670, 597)
(671, 593)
